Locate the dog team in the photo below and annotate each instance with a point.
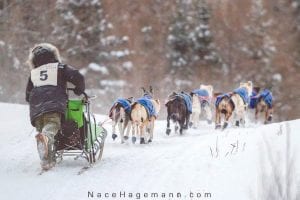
(188, 109)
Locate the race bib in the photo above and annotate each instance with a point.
(45, 75)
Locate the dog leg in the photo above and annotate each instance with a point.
(187, 120)
(151, 130)
(121, 129)
(142, 137)
(242, 122)
(266, 117)
(227, 117)
(218, 119)
(127, 130)
(134, 130)
(114, 135)
(256, 115)
(168, 131)
(208, 113)
(270, 114)
(176, 127)
(181, 125)
(242, 118)
(195, 118)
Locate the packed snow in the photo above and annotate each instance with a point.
(238, 163)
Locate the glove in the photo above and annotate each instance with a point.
(77, 91)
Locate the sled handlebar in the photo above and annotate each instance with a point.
(87, 97)
(83, 93)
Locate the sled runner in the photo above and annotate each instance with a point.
(80, 135)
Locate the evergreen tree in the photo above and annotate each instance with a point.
(190, 39)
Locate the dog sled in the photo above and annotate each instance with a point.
(80, 135)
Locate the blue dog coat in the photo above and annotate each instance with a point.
(203, 96)
(266, 95)
(220, 97)
(243, 94)
(200, 92)
(253, 100)
(148, 105)
(188, 101)
(125, 104)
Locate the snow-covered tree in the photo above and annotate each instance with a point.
(83, 31)
(262, 47)
(190, 39)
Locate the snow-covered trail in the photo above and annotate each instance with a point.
(228, 164)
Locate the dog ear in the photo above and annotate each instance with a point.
(130, 99)
(144, 90)
(250, 83)
(256, 89)
(151, 89)
(211, 89)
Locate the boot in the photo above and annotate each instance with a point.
(42, 147)
(46, 151)
(51, 154)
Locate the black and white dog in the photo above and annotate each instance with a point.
(120, 115)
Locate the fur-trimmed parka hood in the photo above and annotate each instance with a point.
(43, 53)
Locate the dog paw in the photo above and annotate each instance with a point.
(168, 131)
(225, 125)
(133, 139)
(218, 126)
(237, 123)
(114, 136)
(270, 118)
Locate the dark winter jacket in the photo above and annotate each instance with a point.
(46, 88)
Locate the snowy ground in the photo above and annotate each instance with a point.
(233, 164)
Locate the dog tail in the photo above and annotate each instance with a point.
(175, 117)
(115, 113)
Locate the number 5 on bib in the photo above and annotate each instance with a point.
(45, 75)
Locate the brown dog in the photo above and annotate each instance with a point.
(225, 106)
(235, 103)
(141, 121)
(264, 105)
